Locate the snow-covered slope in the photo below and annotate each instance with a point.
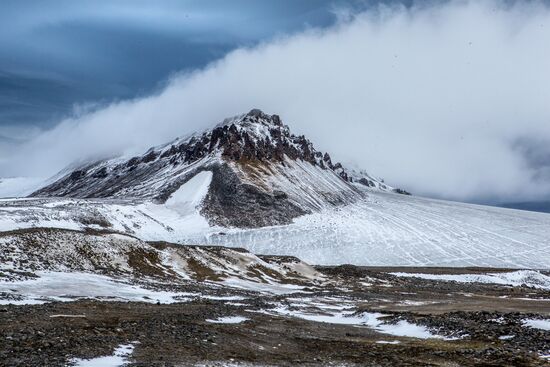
(392, 229)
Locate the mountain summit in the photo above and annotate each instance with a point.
(261, 174)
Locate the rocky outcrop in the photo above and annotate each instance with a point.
(232, 203)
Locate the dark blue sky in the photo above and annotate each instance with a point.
(58, 54)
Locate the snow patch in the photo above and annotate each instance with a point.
(190, 195)
(370, 319)
(58, 286)
(543, 324)
(401, 328)
(517, 278)
(118, 359)
(228, 320)
(271, 288)
(388, 342)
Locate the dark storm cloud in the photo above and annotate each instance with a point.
(60, 53)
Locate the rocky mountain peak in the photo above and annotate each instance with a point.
(258, 116)
(257, 136)
(255, 120)
(259, 168)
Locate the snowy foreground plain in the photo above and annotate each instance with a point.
(383, 229)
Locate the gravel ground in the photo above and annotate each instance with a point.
(486, 322)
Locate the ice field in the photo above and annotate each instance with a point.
(390, 229)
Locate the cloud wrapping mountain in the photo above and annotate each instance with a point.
(445, 100)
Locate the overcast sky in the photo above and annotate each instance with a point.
(444, 99)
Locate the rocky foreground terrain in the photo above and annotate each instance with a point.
(71, 298)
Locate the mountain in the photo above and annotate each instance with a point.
(249, 182)
(261, 174)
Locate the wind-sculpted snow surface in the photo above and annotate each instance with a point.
(390, 229)
(382, 229)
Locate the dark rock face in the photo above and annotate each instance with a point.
(401, 191)
(231, 203)
(366, 182)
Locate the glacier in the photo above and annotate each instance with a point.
(387, 229)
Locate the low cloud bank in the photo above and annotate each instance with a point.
(444, 100)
